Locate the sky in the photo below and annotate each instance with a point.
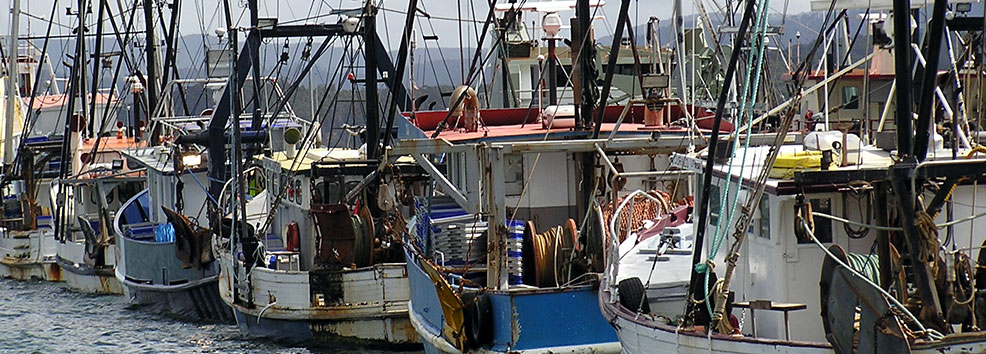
(443, 12)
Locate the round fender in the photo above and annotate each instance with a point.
(633, 296)
(478, 312)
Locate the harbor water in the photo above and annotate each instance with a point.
(42, 317)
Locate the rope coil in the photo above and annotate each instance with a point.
(552, 250)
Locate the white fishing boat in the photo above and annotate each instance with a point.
(29, 243)
(162, 261)
(829, 244)
(86, 248)
(324, 274)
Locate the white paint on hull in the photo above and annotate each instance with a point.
(92, 283)
(374, 304)
(28, 255)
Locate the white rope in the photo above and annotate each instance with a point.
(856, 223)
(932, 334)
(891, 228)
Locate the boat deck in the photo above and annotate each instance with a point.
(869, 158)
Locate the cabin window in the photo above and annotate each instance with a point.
(765, 217)
(513, 179)
(283, 183)
(298, 192)
(823, 226)
(627, 69)
(318, 192)
(850, 97)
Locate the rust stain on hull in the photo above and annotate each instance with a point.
(53, 272)
(22, 271)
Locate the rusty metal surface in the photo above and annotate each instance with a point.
(397, 330)
(52, 272)
(29, 271)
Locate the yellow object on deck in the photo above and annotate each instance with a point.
(788, 163)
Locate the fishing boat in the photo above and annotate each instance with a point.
(86, 251)
(328, 271)
(321, 260)
(831, 244)
(163, 264)
(504, 247)
(37, 119)
(163, 233)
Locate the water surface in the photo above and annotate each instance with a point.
(42, 317)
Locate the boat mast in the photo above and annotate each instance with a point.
(399, 71)
(76, 84)
(931, 56)
(585, 97)
(254, 50)
(8, 127)
(614, 54)
(902, 66)
(902, 172)
(97, 50)
(152, 71)
(703, 206)
(370, 69)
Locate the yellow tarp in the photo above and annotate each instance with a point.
(789, 163)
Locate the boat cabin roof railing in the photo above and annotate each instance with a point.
(654, 143)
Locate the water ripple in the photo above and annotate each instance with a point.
(40, 317)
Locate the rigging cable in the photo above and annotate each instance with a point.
(930, 333)
(306, 145)
(746, 113)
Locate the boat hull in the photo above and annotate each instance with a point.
(642, 334)
(565, 320)
(370, 307)
(48, 271)
(29, 255)
(89, 280)
(198, 301)
(394, 331)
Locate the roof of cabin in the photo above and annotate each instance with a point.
(48, 101)
(304, 162)
(871, 157)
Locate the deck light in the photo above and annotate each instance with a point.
(191, 159)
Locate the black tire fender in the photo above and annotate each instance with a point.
(633, 295)
(478, 313)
